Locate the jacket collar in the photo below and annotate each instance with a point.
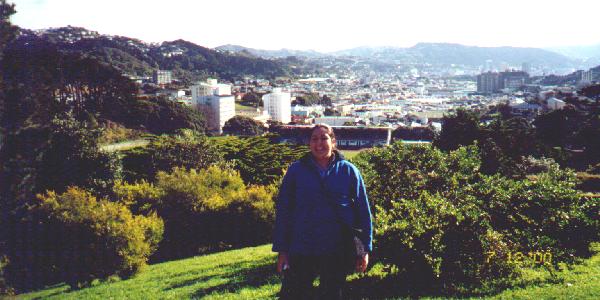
(307, 159)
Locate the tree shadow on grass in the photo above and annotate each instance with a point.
(239, 275)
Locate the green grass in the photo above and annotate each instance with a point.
(249, 274)
(244, 108)
(349, 154)
(238, 274)
(125, 145)
(580, 281)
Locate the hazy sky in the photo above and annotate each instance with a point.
(326, 25)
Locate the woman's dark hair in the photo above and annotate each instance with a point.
(328, 130)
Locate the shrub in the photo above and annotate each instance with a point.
(4, 288)
(76, 238)
(114, 133)
(543, 213)
(187, 149)
(438, 218)
(203, 210)
(259, 160)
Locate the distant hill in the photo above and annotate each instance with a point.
(282, 53)
(445, 53)
(580, 52)
(187, 60)
(430, 53)
(588, 55)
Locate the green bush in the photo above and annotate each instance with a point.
(203, 210)
(4, 288)
(114, 133)
(440, 220)
(186, 149)
(259, 160)
(76, 238)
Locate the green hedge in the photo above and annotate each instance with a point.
(440, 220)
(204, 210)
(76, 238)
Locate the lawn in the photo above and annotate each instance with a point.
(125, 145)
(349, 154)
(249, 274)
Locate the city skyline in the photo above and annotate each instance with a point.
(325, 25)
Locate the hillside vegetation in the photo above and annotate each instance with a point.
(187, 60)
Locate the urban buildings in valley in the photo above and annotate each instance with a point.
(215, 101)
(278, 105)
(492, 82)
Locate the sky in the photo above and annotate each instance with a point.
(326, 25)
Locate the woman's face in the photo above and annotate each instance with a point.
(321, 144)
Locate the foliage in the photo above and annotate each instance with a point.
(42, 82)
(159, 115)
(307, 99)
(7, 30)
(244, 126)
(252, 99)
(459, 129)
(414, 133)
(505, 143)
(203, 210)
(259, 160)
(75, 237)
(438, 216)
(72, 158)
(114, 133)
(53, 157)
(186, 149)
(558, 127)
(588, 137)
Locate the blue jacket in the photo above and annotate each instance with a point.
(305, 223)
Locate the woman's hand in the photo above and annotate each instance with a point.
(283, 262)
(362, 262)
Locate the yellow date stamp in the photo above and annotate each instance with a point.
(531, 257)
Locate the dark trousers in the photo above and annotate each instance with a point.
(298, 280)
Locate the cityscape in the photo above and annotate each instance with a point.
(412, 96)
(243, 149)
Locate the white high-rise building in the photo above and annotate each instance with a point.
(279, 105)
(215, 101)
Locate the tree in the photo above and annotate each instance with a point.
(326, 100)
(187, 149)
(7, 33)
(258, 159)
(504, 145)
(244, 126)
(459, 129)
(7, 30)
(252, 99)
(330, 112)
(41, 82)
(307, 99)
(53, 157)
(557, 128)
(589, 138)
(415, 133)
(159, 115)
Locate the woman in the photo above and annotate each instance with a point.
(321, 195)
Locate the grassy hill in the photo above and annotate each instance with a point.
(249, 273)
